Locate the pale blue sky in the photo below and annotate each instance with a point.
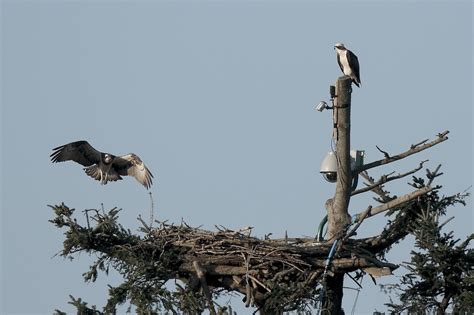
(218, 99)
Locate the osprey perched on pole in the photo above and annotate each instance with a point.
(348, 63)
(103, 167)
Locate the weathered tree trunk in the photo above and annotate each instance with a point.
(333, 301)
(338, 217)
(443, 305)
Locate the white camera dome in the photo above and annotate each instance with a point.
(329, 164)
(329, 167)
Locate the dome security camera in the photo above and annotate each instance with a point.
(329, 167)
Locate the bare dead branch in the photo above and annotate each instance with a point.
(419, 143)
(260, 283)
(152, 209)
(343, 264)
(248, 294)
(384, 195)
(386, 178)
(360, 219)
(415, 148)
(385, 154)
(395, 202)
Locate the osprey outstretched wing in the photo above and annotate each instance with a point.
(132, 165)
(348, 62)
(80, 151)
(104, 167)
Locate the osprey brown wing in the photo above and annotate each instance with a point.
(80, 151)
(132, 165)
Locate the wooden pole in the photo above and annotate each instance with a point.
(338, 217)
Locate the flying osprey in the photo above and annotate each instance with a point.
(104, 167)
(348, 63)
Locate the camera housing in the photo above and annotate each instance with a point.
(329, 164)
(322, 106)
(329, 167)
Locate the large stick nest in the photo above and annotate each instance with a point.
(236, 261)
(266, 271)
